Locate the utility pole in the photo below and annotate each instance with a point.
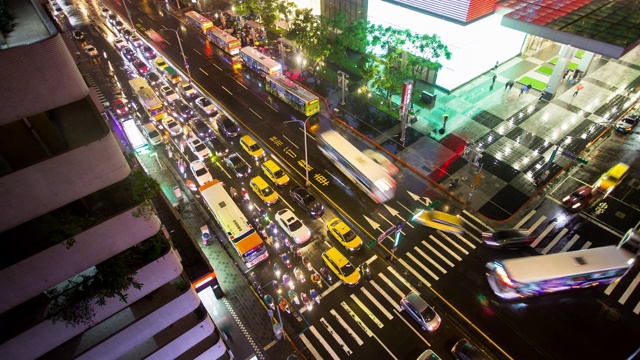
(342, 81)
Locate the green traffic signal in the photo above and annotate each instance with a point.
(582, 160)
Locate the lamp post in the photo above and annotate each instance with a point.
(128, 14)
(186, 64)
(306, 163)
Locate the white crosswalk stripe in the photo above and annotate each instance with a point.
(467, 242)
(309, 346)
(345, 325)
(570, 243)
(625, 296)
(423, 267)
(360, 323)
(391, 285)
(536, 224)
(415, 273)
(525, 219)
(326, 346)
(336, 336)
(544, 233)
(366, 310)
(433, 250)
(586, 245)
(376, 303)
(385, 295)
(555, 241)
(453, 242)
(417, 249)
(402, 279)
(445, 248)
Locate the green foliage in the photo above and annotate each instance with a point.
(310, 32)
(368, 67)
(143, 189)
(73, 303)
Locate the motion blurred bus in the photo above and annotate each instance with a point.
(293, 94)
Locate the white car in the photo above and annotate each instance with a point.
(293, 226)
(187, 90)
(135, 41)
(200, 172)
(120, 43)
(199, 148)
(206, 106)
(105, 12)
(91, 51)
(168, 93)
(172, 126)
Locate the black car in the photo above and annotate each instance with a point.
(78, 35)
(153, 79)
(627, 124)
(306, 201)
(202, 130)
(218, 146)
(464, 350)
(227, 126)
(128, 53)
(148, 52)
(507, 238)
(182, 110)
(126, 33)
(238, 165)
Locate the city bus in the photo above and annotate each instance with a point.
(368, 175)
(136, 140)
(224, 40)
(148, 99)
(536, 275)
(198, 21)
(293, 94)
(259, 62)
(240, 233)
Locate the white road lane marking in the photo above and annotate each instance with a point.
(586, 245)
(309, 346)
(476, 219)
(445, 248)
(433, 250)
(419, 251)
(255, 113)
(625, 296)
(225, 89)
(544, 233)
(323, 342)
(610, 288)
(571, 242)
(376, 303)
(204, 72)
(636, 310)
(364, 307)
(412, 328)
(403, 280)
(336, 337)
(391, 285)
(536, 224)
(453, 242)
(219, 68)
(415, 273)
(525, 219)
(384, 294)
(385, 347)
(554, 241)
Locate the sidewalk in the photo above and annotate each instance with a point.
(518, 132)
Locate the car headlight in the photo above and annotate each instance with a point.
(576, 206)
(566, 198)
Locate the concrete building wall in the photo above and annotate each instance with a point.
(190, 339)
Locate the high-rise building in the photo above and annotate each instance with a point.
(85, 270)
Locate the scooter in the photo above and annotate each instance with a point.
(316, 279)
(307, 263)
(234, 194)
(276, 287)
(365, 270)
(284, 305)
(453, 183)
(206, 235)
(268, 299)
(285, 260)
(315, 296)
(273, 228)
(276, 269)
(327, 275)
(293, 297)
(260, 230)
(287, 281)
(259, 289)
(306, 301)
(298, 274)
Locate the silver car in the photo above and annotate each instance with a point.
(421, 312)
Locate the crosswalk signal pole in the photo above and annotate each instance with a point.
(343, 83)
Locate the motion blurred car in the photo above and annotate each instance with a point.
(198, 148)
(173, 127)
(120, 106)
(465, 350)
(579, 198)
(274, 173)
(148, 52)
(182, 110)
(128, 54)
(626, 124)
(238, 165)
(343, 233)
(140, 66)
(119, 43)
(168, 93)
(306, 201)
(112, 18)
(206, 106)
(440, 221)
(382, 160)
(78, 35)
(251, 147)
(202, 130)
(200, 172)
(91, 51)
(118, 25)
(421, 312)
(507, 238)
(263, 190)
(105, 12)
(227, 126)
(293, 226)
(341, 266)
(126, 34)
(609, 180)
(187, 90)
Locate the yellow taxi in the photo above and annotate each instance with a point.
(251, 147)
(263, 190)
(274, 173)
(340, 266)
(440, 221)
(345, 236)
(160, 64)
(609, 180)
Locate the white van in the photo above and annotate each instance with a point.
(152, 133)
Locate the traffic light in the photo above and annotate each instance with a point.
(582, 160)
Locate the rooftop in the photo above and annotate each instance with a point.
(31, 24)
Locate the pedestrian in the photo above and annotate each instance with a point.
(495, 67)
(506, 85)
(511, 83)
(526, 91)
(522, 89)
(445, 118)
(494, 79)
(578, 88)
(393, 251)
(542, 94)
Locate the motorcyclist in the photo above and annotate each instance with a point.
(316, 279)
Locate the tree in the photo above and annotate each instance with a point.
(310, 33)
(286, 10)
(368, 66)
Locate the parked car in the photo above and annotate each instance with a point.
(206, 106)
(306, 201)
(341, 266)
(421, 312)
(198, 148)
(579, 198)
(173, 127)
(227, 126)
(344, 234)
(465, 350)
(626, 124)
(238, 165)
(200, 172)
(168, 93)
(293, 226)
(507, 238)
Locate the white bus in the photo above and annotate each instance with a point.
(137, 141)
(148, 99)
(198, 21)
(369, 176)
(237, 229)
(536, 275)
(259, 62)
(224, 40)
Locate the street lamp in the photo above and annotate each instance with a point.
(306, 162)
(186, 64)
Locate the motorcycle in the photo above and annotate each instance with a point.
(365, 270)
(259, 289)
(293, 297)
(316, 279)
(287, 281)
(273, 228)
(206, 235)
(260, 230)
(234, 194)
(286, 260)
(307, 263)
(284, 239)
(327, 275)
(284, 305)
(255, 218)
(276, 287)
(268, 299)
(298, 274)
(315, 296)
(306, 301)
(264, 216)
(276, 269)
